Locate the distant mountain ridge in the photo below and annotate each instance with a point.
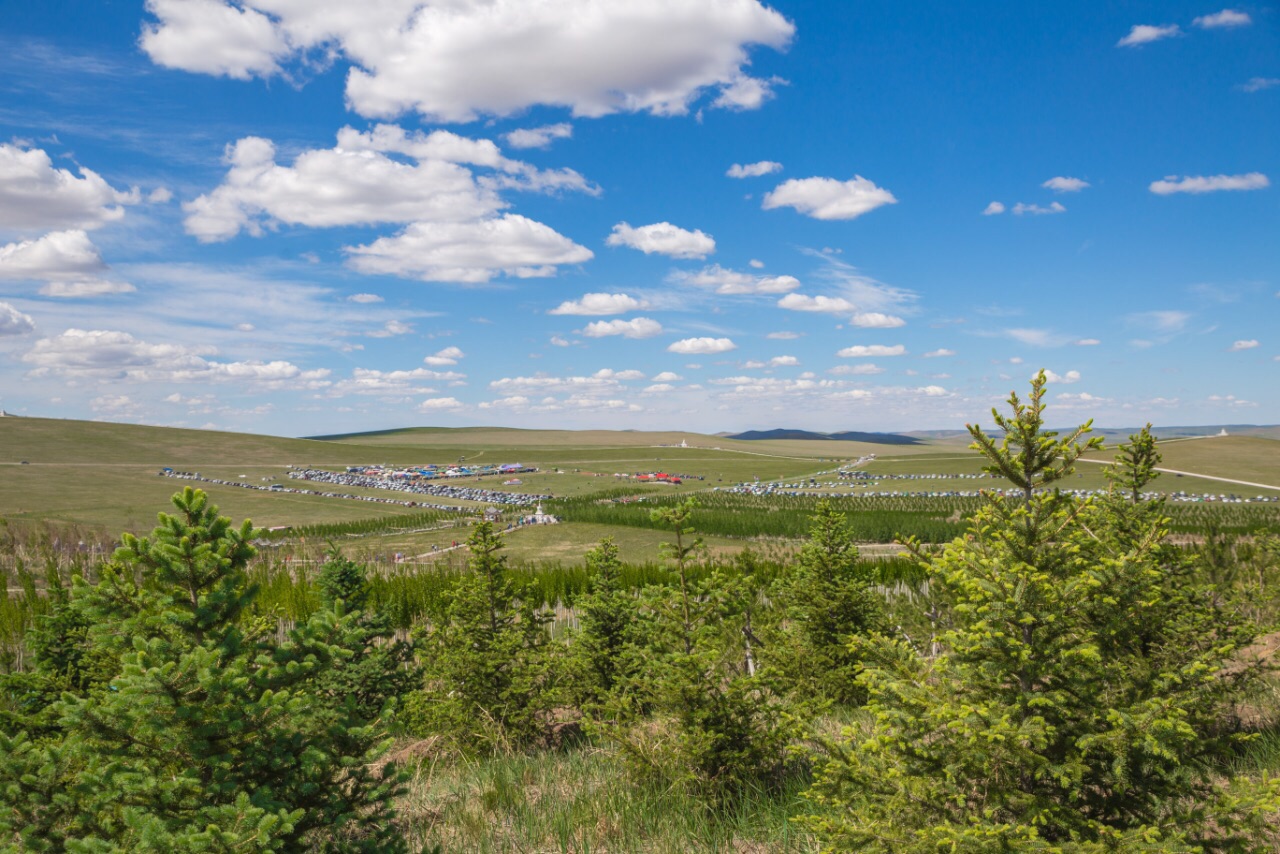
(845, 436)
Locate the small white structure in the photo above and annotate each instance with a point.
(540, 518)
(1222, 432)
(684, 443)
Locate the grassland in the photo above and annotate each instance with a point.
(104, 475)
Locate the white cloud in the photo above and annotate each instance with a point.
(1055, 208)
(623, 376)
(14, 322)
(368, 381)
(82, 288)
(1146, 33)
(702, 346)
(828, 305)
(1066, 379)
(1209, 184)
(106, 355)
(827, 198)
(1160, 321)
(447, 356)
(663, 238)
(783, 336)
(364, 298)
(515, 401)
(876, 320)
(725, 281)
(1065, 185)
(160, 196)
(658, 388)
(753, 170)
(784, 361)
(756, 264)
(993, 209)
(539, 137)
(1037, 337)
(67, 261)
(455, 61)
(932, 391)
(34, 195)
(939, 353)
(211, 37)
(436, 404)
(1225, 18)
(862, 370)
(1243, 345)
(510, 245)
(746, 93)
(860, 351)
(667, 377)
(599, 304)
(1087, 342)
(639, 327)
(392, 328)
(557, 341)
(1257, 84)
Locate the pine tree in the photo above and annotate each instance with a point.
(1082, 702)
(487, 666)
(1135, 464)
(600, 651)
(209, 735)
(825, 599)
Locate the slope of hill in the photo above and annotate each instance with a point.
(809, 435)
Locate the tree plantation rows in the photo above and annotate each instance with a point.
(1055, 674)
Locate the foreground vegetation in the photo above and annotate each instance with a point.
(1055, 674)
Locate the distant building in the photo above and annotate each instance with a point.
(540, 518)
(1222, 432)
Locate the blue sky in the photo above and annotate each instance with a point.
(312, 216)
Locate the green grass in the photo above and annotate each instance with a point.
(579, 800)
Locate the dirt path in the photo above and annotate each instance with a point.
(1197, 474)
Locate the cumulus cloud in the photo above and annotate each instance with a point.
(702, 346)
(1022, 208)
(510, 245)
(36, 196)
(939, 353)
(452, 62)
(993, 209)
(1065, 185)
(753, 170)
(391, 329)
(820, 303)
(14, 322)
(393, 384)
(67, 261)
(1066, 379)
(1225, 18)
(1142, 34)
(865, 369)
(539, 137)
(598, 304)
(664, 239)
(828, 198)
(861, 351)
(724, 281)
(211, 37)
(784, 361)
(1209, 184)
(667, 377)
(1243, 345)
(447, 356)
(105, 355)
(437, 404)
(876, 320)
(358, 183)
(639, 327)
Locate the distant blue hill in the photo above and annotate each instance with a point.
(846, 436)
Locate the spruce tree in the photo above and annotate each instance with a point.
(600, 651)
(486, 663)
(824, 599)
(1083, 700)
(209, 735)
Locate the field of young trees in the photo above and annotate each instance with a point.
(1038, 671)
